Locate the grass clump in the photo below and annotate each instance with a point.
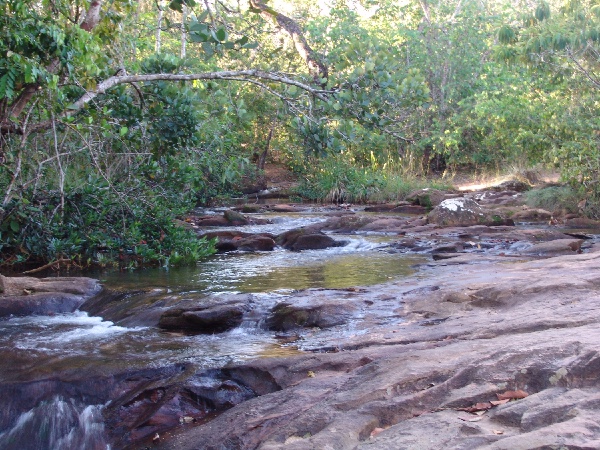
(335, 179)
(554, 198)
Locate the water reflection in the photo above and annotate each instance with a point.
(359, 263)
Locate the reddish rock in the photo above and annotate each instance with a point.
(555, 247)
(306, 239)
(385, 207)
(237, 240)
(410, 209)
(213, 319)
(532, 215)
(308, 313)
(582, 222)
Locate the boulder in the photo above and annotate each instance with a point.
(228, 219)
(228, 241)
(284, 208)
(532, 215)
(512, 185)
(235, 218)
(212, 319)
(30, 295)
(256, 243)
(321, 313)
(305, 239)
(555, 248)
(463, 212)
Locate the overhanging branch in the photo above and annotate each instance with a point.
(232, 75)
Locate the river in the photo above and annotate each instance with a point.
(46, 353)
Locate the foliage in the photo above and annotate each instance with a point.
(339, 181)
(411, 87)
(554, 198)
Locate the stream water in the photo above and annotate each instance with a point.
(39, 347)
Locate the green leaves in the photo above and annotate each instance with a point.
(216, 40)
(177, 5)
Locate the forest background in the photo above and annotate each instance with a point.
(118, 116)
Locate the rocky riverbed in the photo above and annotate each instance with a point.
(491, 343)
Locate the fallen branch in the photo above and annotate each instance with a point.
(49, 265)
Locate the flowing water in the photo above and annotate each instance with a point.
(40, 346)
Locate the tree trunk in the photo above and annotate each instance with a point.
(262, 158)
(183, 31)
(316, 66)
(161, 5)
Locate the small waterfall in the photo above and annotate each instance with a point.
(57, 424)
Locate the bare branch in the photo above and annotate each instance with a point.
(315, 63)
(233, 75)
(585, 72)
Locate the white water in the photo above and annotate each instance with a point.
(64, 342)
(57, 424)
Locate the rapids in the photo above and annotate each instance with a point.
(46, 355)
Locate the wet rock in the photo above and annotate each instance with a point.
(438, 256)
(228, 219)
(410, 209)
(495, 328)
(30, 295)
(211, 319)
(256, 243)
(236, 240)
(235, 218)
(384, 225)
(410, 244)
(582, 222)
(385, 207)
(305, 239)
(463, 212)
(532, 215)
(211, 221)
(555, 248)
(345, 224)
(216, 391)
(318, 312)
(284, 208)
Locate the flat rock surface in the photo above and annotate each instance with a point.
(461, 338)
(29, 295)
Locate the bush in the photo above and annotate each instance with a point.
(554, 198)
(122, 225)
(337, 180)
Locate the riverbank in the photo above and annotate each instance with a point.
(466, 338)
(490, 329)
